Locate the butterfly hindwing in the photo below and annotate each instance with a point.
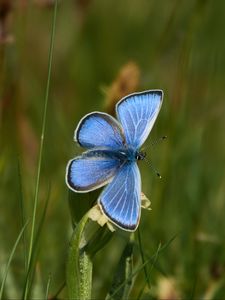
(120, 200)
(137, 114)
(99, 130)
(91, 170)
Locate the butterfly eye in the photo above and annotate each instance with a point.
(140, 155)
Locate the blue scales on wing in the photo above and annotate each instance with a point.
(99, 130)
(137, 114)
(120, 201)
(93, 169)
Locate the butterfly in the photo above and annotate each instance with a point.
(112, 151)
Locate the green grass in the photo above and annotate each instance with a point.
(42, 140)
(177, 46)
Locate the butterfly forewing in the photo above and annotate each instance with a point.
(137, 114)
(99, 130)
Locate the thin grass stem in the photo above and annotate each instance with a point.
(10, 259)
(48, 286)
(31, 270)
(136, 272)
(55, 296)
(142, 257)
(151, 260)
(22, 209)
(42, 139)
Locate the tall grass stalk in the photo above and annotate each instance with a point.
(140, 268)
(152, 260)
(31, 270)
(37, 186)
(143, 257)
(23, 218)
(48, 286)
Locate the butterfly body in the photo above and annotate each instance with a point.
(128, 154)
(122, 155)
(112, 152)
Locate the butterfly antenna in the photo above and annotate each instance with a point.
(156, 142)
(149, 162)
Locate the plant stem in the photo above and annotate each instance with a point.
(79, 266)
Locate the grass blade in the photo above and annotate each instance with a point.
(149, 260)
(123, 272)
(48, 285)
(143, 257)
(31, 267)
(56, 295)
(22, 209)
(10, 258)
(136, 272)
(41, 143)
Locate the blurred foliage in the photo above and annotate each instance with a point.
(103, 51)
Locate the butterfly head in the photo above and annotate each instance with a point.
(140, 155)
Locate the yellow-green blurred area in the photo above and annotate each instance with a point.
(103, 51)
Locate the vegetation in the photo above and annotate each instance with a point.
(101, 51)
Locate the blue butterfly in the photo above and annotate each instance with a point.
(113, 149)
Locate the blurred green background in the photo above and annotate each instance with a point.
(104, 50)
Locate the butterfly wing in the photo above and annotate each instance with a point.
(91, 170)
(137, 114)
(120, 200)
(99, 130)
